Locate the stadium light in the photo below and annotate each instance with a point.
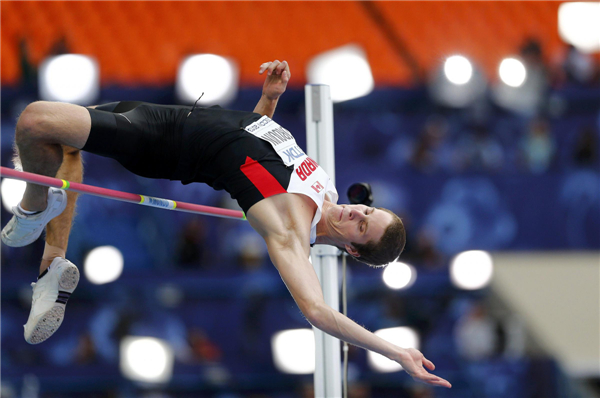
(512, 72)
(345, 69)
(398, 275)
(579, 25)
(103, 264)
(458, 69)
(294, 351)
(215, 76)
(12, 192)
(402, 336)
(457, 83)
(471, 270)
(146, 359)
(70, 78)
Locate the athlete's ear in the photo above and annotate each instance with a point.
(352, 251)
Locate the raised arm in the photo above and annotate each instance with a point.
(278, 76)
(301, 280)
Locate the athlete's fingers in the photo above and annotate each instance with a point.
(439, 382)
(432, 379)
(287, 69)
(281, 67)
(272, 67)
(428, 364)
(263, 67)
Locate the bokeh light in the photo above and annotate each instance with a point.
(215, 76)
(399, 275)
(294, 351)
(103, 264)
(146, 359)
(458, 69)
(471, 270)
(12, 192)
(512, 72)
(579, 25)
(72, 78)
(346, 70)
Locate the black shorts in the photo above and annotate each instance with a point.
(209, 145)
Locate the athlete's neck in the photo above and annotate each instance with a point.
(324, 231)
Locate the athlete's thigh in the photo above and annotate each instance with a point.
(58, 122)
(146, 139)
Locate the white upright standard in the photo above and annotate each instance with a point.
(319, 143)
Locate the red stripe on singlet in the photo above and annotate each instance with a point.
(264, 181)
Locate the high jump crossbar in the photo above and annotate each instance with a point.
(122, 196)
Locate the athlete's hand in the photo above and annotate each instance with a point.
(278, 76)
(415, 363)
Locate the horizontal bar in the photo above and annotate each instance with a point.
(122, 196)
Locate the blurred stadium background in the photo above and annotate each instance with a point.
(475, 161)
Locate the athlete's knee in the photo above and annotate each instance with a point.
(35, 122)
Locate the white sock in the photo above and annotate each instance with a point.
(26, 211)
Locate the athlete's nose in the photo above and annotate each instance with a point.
(355, 214)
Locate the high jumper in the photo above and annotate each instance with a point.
(286, 196)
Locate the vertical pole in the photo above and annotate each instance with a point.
(320, 147)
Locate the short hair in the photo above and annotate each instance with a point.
(389, 247)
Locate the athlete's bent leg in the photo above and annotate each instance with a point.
(41, 130)
(48, 137)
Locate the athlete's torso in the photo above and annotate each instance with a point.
(307, 178)
(251, 157)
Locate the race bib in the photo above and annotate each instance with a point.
(282, 140)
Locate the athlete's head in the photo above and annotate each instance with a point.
(372, 235)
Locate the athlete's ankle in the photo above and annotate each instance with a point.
(29, 207)
(50, 253)
(44, 266)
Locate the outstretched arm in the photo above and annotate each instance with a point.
(302, 282)
(278, 76)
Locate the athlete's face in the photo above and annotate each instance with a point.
(358, 223)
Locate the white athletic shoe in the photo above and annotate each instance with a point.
(50, 295)
(23, 229)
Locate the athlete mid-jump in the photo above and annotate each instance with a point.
(287, 197)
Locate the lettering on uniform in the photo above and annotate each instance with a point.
(293, 153)
(306, 168)
(317, 187)
(256, 125)
(277, 136)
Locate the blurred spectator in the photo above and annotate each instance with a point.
(426, 254)
(420, 249)
(419, 391)
(203, 349)
(538, 147)
(431, 151)
(477, 335)
(478, 150)
(306, 390)
(60, 47)
(359, 390)
(537, 81)
(585, 152)
(85, 352)
(28, 69)
(576, 67)
(191, 248)
(530, 98)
